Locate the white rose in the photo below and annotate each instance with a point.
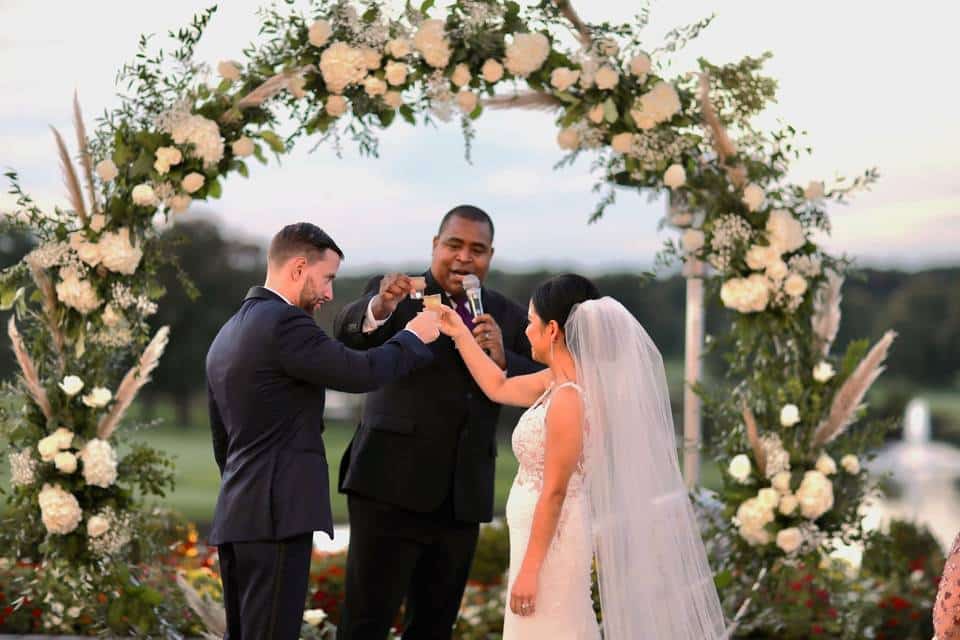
(314, 617)
(166, 158)
(203, 134)
(740, 468)
(111, 317)
(97, 222)
(823, 372)
(850, 464)
(795, 285)
(492, 71)
(815, 495)
(760, 257)
(563, 78)
(789, 415)
(826, 465)
(63, 437)
(755, 537)
(467, 100)
(336, 106)
(777, 270)
(814, 191)
(89, 252)
(461, 75)
(71, 385)
(568, 139)
(228, 70)
(781, 482)
(371, 58)
(393, 99)
(785, 231)
(374, 86)
(640, 65)
(48, 449)
(788, 504)
(596, 114)
(746, 295)
(769, 498)
(527, 53)
(143, 195)
(675, 176)
(753, 196)
(119, 253)
(179, 203)
(242, 147)
(97, 398)
(107, 170)
(789, 540)
(752, 516)
(97, 526)
(193, 182)
(658, 105)
(341, 66)
(65, 462)
(75, 292)
(693, 240)
(431, 42)
(59, 509)
(99, 463)
(622, 142)
(399, 48)
(607, 78)
(319, 33)
(396, 73)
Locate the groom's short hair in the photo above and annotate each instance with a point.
(468, 212)
(301, 239)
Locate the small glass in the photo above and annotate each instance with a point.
(419, 284)
(433, 302)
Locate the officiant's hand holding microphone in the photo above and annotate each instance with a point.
(485, 328)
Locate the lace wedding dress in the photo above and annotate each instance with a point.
(563, 608)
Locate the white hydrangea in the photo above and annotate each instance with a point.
(789, 540)
(319, 33)
(746, 295)
(776, 456)
(785, 231)
(527, 53)
(430, 40)
(658, 105)
(99, 463)
(89, 252)
(23, 468)
(752, 518)
(76, 292)
(563, 78)
(59, 509)
(341, 66)
(740, 468)
(119, 253)
(492, 71)
(815, 495)
(203, 134)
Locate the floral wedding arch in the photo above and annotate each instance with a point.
(83, 296)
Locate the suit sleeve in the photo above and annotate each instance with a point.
(307, 353)
(218, 431)
(519, 362)
(348, 325)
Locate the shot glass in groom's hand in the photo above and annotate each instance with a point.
(394, 287)
(426, 326)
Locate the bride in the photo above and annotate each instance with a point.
(598, 477)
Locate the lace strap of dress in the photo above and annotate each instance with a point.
(561, 386)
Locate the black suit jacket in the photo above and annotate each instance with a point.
(267, 371)
(428, 439)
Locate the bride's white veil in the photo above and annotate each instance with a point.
(655, 581)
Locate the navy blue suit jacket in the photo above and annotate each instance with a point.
(267, 372)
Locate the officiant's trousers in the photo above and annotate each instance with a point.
(265, 587)
(395, 553)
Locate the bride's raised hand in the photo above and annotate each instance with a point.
(451, 324)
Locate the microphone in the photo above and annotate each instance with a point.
(471, 286)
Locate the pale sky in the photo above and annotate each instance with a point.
(873, 83)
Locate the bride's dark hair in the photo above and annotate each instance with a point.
(555, 298)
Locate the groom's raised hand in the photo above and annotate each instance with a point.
(394, 287)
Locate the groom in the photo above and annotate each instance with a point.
(419, 472)
(267, 371)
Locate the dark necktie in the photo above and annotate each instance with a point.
(464, 310)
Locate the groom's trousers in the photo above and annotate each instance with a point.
(265, 587)
(395, 553)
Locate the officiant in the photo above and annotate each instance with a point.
(419, 472)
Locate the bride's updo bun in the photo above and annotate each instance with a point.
(555, 298)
